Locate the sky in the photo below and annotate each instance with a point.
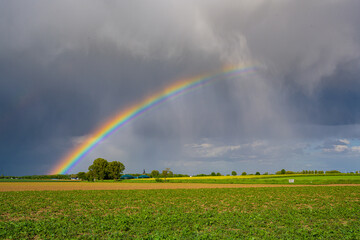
(66, 67)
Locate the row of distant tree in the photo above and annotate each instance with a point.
(282, 171)
(165, 173)
(102, 169)
(42, 177)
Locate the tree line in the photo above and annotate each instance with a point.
(101, 169)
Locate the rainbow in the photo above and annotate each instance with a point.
(172, 91)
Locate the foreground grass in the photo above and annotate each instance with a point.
(294, 213)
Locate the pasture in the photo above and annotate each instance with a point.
(302, 179)
(327, 212)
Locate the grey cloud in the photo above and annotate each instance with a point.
(66, 67)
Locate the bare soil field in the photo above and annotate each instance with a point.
(64, 186)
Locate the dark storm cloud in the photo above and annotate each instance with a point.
(335, 101)
(65, 67)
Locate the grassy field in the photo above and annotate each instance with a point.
(246, 213)
(68, 186)
(265, 179)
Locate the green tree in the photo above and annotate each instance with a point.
(218, 174)
(155, 173)
(213, 174)
(243, 173)
(90, 176)
(266, 173)
(283, 171)
(82, 176)
(233, 173)
(257, 173)
(114, 169)
(165, 173)
(99, 168)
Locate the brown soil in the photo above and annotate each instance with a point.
(58, 186)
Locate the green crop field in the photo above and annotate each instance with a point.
(265, 179)
(245, 213)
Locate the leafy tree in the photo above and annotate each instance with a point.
(257, 173)
(90, 176)
(213, 174)
(155, 173)
(233, 173)
(114, 169)
(82, 176)
(282, 171)
(243, 173)
(99, 168)
(165, 173)
(218, 174)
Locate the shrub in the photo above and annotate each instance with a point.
(159, 180)
(332, 171)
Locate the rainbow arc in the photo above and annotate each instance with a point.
(129, 114)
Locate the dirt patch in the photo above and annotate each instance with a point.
(64, 186)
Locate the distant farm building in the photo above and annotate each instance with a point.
(127, 176)
(143, 176)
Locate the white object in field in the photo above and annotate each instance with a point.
(291, 180)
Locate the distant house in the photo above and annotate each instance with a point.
(143, 176)
(127, 176)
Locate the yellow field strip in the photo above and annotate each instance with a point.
(64, 186)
